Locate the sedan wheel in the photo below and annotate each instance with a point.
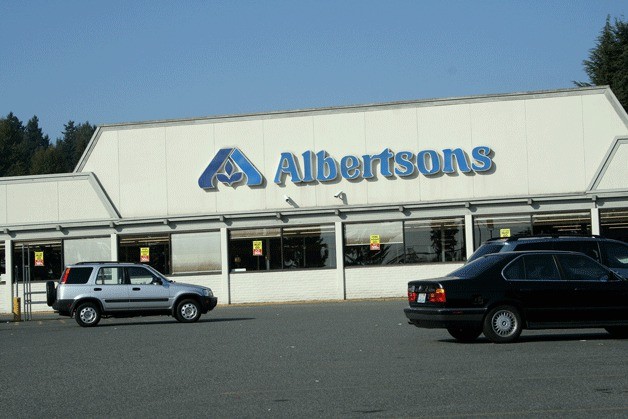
(465, 334)
(502, 324)
(618, 332)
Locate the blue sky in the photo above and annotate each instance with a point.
(121, 61)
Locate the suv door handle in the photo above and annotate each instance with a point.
(136, 289)
(97, 289)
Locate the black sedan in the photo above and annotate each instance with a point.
(501, 294)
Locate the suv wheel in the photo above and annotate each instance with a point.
(465, 334)
(51, 293)
(188, 311)
(87, 315)
(502, 324)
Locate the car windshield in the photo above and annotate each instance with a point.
(475, 267)
(485, 249)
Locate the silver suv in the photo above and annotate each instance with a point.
(91, 290)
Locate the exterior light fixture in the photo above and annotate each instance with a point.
(278, 215)
(339, 195)
(287, 198)
(529, 201)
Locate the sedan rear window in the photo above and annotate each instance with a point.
(477, 267)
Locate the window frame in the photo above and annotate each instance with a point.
(232, 270)
(458, 218)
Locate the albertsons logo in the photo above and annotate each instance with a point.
(230, 166)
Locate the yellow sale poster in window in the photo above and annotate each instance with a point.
(144, 254)
(257, 248)
(375, 242)
(39, 258)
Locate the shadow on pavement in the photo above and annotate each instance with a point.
(524, 338)
(117, 323)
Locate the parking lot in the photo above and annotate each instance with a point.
(342, 359)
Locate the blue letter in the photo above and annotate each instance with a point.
(404, 159)
(287, 165)
(350, 167)
(481, 156)
(421, 162)
(448, 160)
(327, 167)
(384, 162)
(307, 166)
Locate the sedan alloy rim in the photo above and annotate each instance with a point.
(504, 323)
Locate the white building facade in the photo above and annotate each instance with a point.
(323, 204)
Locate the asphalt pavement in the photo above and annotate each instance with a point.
(341, 359)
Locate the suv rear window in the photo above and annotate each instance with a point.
(485, 249)
(615, 255)
(79, 275)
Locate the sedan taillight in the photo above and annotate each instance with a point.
(438, 296)
(412, 295)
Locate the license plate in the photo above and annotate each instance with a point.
(421, 297)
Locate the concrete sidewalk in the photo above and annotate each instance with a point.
(37, 315)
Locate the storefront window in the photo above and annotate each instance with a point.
(309, 247)
(151, 250)
(196, 252)
(43, 259)
(614, 224)
(429, 241)
(573, 223)
(374, 244)
(562, 223)
(255, 250)
(485, 228)
(86, 250)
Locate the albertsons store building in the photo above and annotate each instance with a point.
(322, 204)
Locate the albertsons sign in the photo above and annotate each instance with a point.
(231, 167)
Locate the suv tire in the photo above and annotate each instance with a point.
(87, 315)
(51, 293)
(502, 324)
(188, 311)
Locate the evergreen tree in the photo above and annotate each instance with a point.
(11, 138)
(25, 150)
(46, 161)
(608, 60)
(75, 139)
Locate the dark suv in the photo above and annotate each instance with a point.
(611, 253)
